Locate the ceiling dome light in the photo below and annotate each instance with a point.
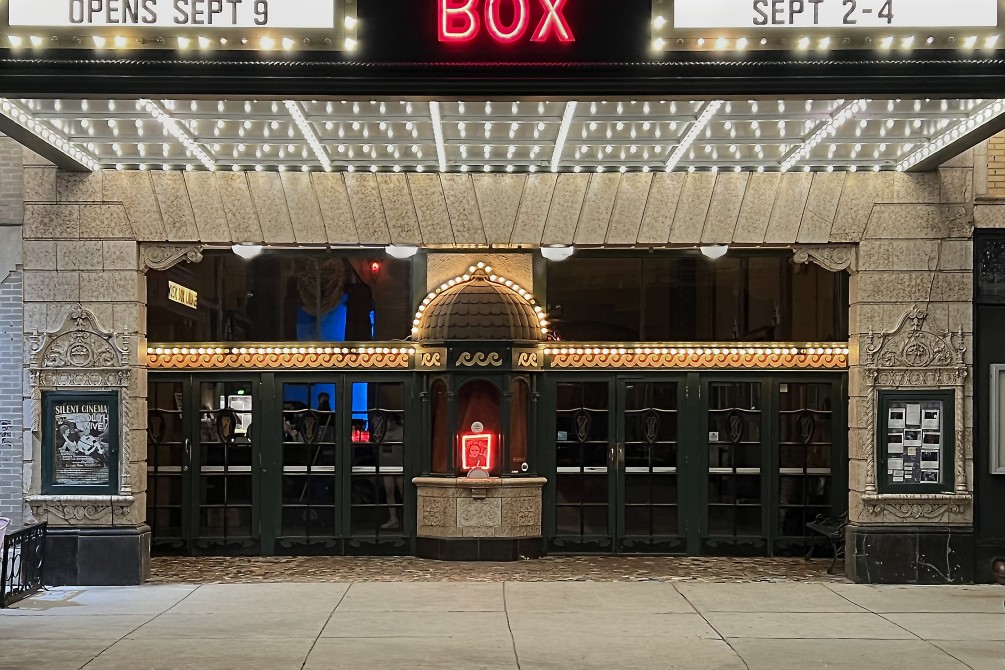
(557, 253)
(401, 252)
(246, 250)
(715, 252)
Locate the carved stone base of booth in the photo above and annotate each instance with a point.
(910, 554)
(479, 519)
(97, 556)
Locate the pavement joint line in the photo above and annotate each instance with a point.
(881, 616)
(710, 625)
(151, 620)
(325, 625)
(509, 626)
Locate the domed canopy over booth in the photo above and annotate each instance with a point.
(479, 407)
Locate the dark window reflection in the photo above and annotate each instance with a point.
(750, 297)
(284, 297)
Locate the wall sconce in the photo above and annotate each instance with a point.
(246, 250)
(402, 253)
(557, 253)
(375, 269)
(715, 252)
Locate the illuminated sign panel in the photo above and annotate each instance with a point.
(182, 295)
(834, 14)
(503, 20)
(477, 452)
(203, 14)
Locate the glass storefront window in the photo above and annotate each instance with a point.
(283, 297)
(744, 297)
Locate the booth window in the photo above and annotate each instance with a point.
(282, 296)
(519, 417)
(479, 413)
(440, 428)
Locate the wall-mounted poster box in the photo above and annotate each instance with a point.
(997, 420)
(916, 441)
(80, 442)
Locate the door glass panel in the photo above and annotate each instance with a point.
(734, 459)
(224, 458)
(805, 433)
(582, 417)
(377, 482)
(165, 459)
(650, 477)
(310, 474)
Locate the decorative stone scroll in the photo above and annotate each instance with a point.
(913, 356)
(835, 258)
(81, 355)
(166, 256)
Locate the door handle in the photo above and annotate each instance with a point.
(188, 455)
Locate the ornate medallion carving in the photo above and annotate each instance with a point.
(911, 355)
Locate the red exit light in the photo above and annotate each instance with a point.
(464, 20)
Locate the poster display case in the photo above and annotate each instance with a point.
(80, 439)
(916, 441)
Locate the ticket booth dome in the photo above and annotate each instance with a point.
(480, 307)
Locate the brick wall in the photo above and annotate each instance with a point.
(11, 327)
(996, 166)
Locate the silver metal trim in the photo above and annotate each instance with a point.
(997, 441)
(167, 469)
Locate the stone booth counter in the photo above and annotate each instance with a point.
(493, 519)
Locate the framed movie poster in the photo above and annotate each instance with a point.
(916, 441)
(997, 419)
(80, 442)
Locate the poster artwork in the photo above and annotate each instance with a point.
(914, 442)
(82, 444)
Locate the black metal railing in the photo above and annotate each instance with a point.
(21, 564)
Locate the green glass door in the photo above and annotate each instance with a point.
(618, 461)
(203, 474)
(339, 445)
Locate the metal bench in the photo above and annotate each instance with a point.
(831, 527)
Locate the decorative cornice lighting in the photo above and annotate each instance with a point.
(181, 134)
(437, 119)
(557, 253)
(401, 252)
(692, 134)
(563, 134)
(247, 251)
(985, 114)
(24, 118)
(841, 116)
(304, 126)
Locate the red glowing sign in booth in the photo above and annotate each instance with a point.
(477, 452)
(464, 20)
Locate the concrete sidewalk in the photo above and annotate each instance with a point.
(510, 625)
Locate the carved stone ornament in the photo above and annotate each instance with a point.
(914, 356)
(81, 510)
(166, 256)
(835, 258)
(81, 355)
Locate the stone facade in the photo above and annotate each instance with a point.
(463, 507)
(905, 238)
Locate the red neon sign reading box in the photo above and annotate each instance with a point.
(463, 20)
(477, 452)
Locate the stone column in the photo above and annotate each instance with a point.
(82, 276)
(911, 329)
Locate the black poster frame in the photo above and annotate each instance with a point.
(50, 399)
(947, 449)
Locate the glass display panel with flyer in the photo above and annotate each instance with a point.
(916, 441)
(998, 419)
